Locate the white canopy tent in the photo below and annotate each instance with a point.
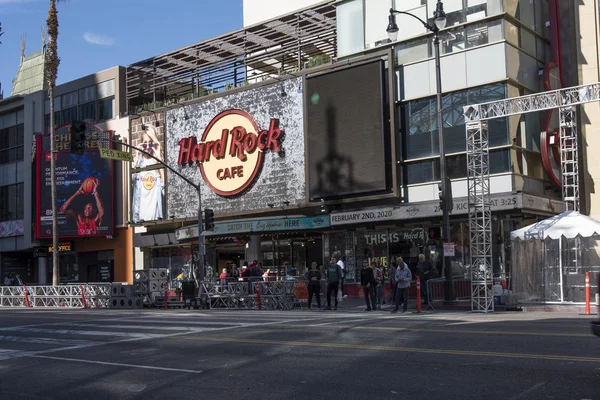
(550, 258)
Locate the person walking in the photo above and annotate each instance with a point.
(8, 279)
(403, 277)
(314, 284)
(378, 274)
(367, 280)
(334, 279)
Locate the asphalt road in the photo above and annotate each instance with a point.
(224, 354)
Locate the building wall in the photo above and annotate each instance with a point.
(588, 64)
(256, 11)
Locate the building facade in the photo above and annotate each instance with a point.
(359, 173)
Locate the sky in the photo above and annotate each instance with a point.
(98, 34)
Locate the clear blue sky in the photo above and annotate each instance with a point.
(98, 34)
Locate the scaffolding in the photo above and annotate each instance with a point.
(479, 206)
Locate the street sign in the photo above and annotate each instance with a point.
(115, 154)
(448, 249)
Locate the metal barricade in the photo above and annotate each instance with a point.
(436, 290)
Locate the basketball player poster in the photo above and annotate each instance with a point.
(84, 188)
(148, 178)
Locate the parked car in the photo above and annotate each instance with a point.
(596, 328)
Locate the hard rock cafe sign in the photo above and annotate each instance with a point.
(231, 151)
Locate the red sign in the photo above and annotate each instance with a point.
(231, 151)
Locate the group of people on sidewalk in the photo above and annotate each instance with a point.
(335, 282)
(372, 282)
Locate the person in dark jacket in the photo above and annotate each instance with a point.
(314, 284)
(367, 280)
(334, 279)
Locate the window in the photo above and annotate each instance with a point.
(57, 120)
(11, 202)
(69, 114)
(419, 172)
(420, 134)
(87, 112)
(11, 137)
(106, 108)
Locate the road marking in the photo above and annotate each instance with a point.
(462, 331)
(334, 322)
(399, 349)
(526, 392)
(88, 333)
(190, 371)
(44, 340)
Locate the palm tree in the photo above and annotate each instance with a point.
(52, 62)
(1, 33)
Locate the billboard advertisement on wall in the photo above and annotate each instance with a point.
(246, 149)
(148, 177)
(84, 186)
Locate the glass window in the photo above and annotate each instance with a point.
(87, 94)
(11, 202)
(499, 161)
(419, 172)
(105, 89)
(106, 108)
(69, 114)
(420, 116)
(414, 50)
(483, 33)
(350, 27)
(87, 112)
(69, 100)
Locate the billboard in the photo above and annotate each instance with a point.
(148, 178)
(246, 149)
(348, 133)
(84, 186)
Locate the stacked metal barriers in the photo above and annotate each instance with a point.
(92, 295)
(269, 295)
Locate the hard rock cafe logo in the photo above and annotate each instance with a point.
(231, 151)
(148, 180)
(412, 211)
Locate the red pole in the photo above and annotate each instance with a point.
(26, 296)
(418, 294)
(167, 295)
(83, 296)
(587, 293)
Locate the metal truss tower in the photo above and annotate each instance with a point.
(480, 216)
(478, 171)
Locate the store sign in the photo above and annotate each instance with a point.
(63, 247)
(261, 225)
(500, 202)
(396, 236)
(231, 151)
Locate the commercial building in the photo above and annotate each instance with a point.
(357, 171)
(93, 255)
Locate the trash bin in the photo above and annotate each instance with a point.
(188, 290)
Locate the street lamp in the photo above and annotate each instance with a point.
(439, 22)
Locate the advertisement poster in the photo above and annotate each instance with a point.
(84, 187)
(148, 179)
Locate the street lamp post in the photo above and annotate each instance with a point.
(439, 19)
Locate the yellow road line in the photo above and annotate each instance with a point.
(393, 348)
(463, 331)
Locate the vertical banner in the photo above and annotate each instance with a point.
(148, 176)
(84, 186)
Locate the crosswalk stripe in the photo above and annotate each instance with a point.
(89, 333)
(45, 340)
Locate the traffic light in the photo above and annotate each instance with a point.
(209, 219)
(77, 137)
(445, 196)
